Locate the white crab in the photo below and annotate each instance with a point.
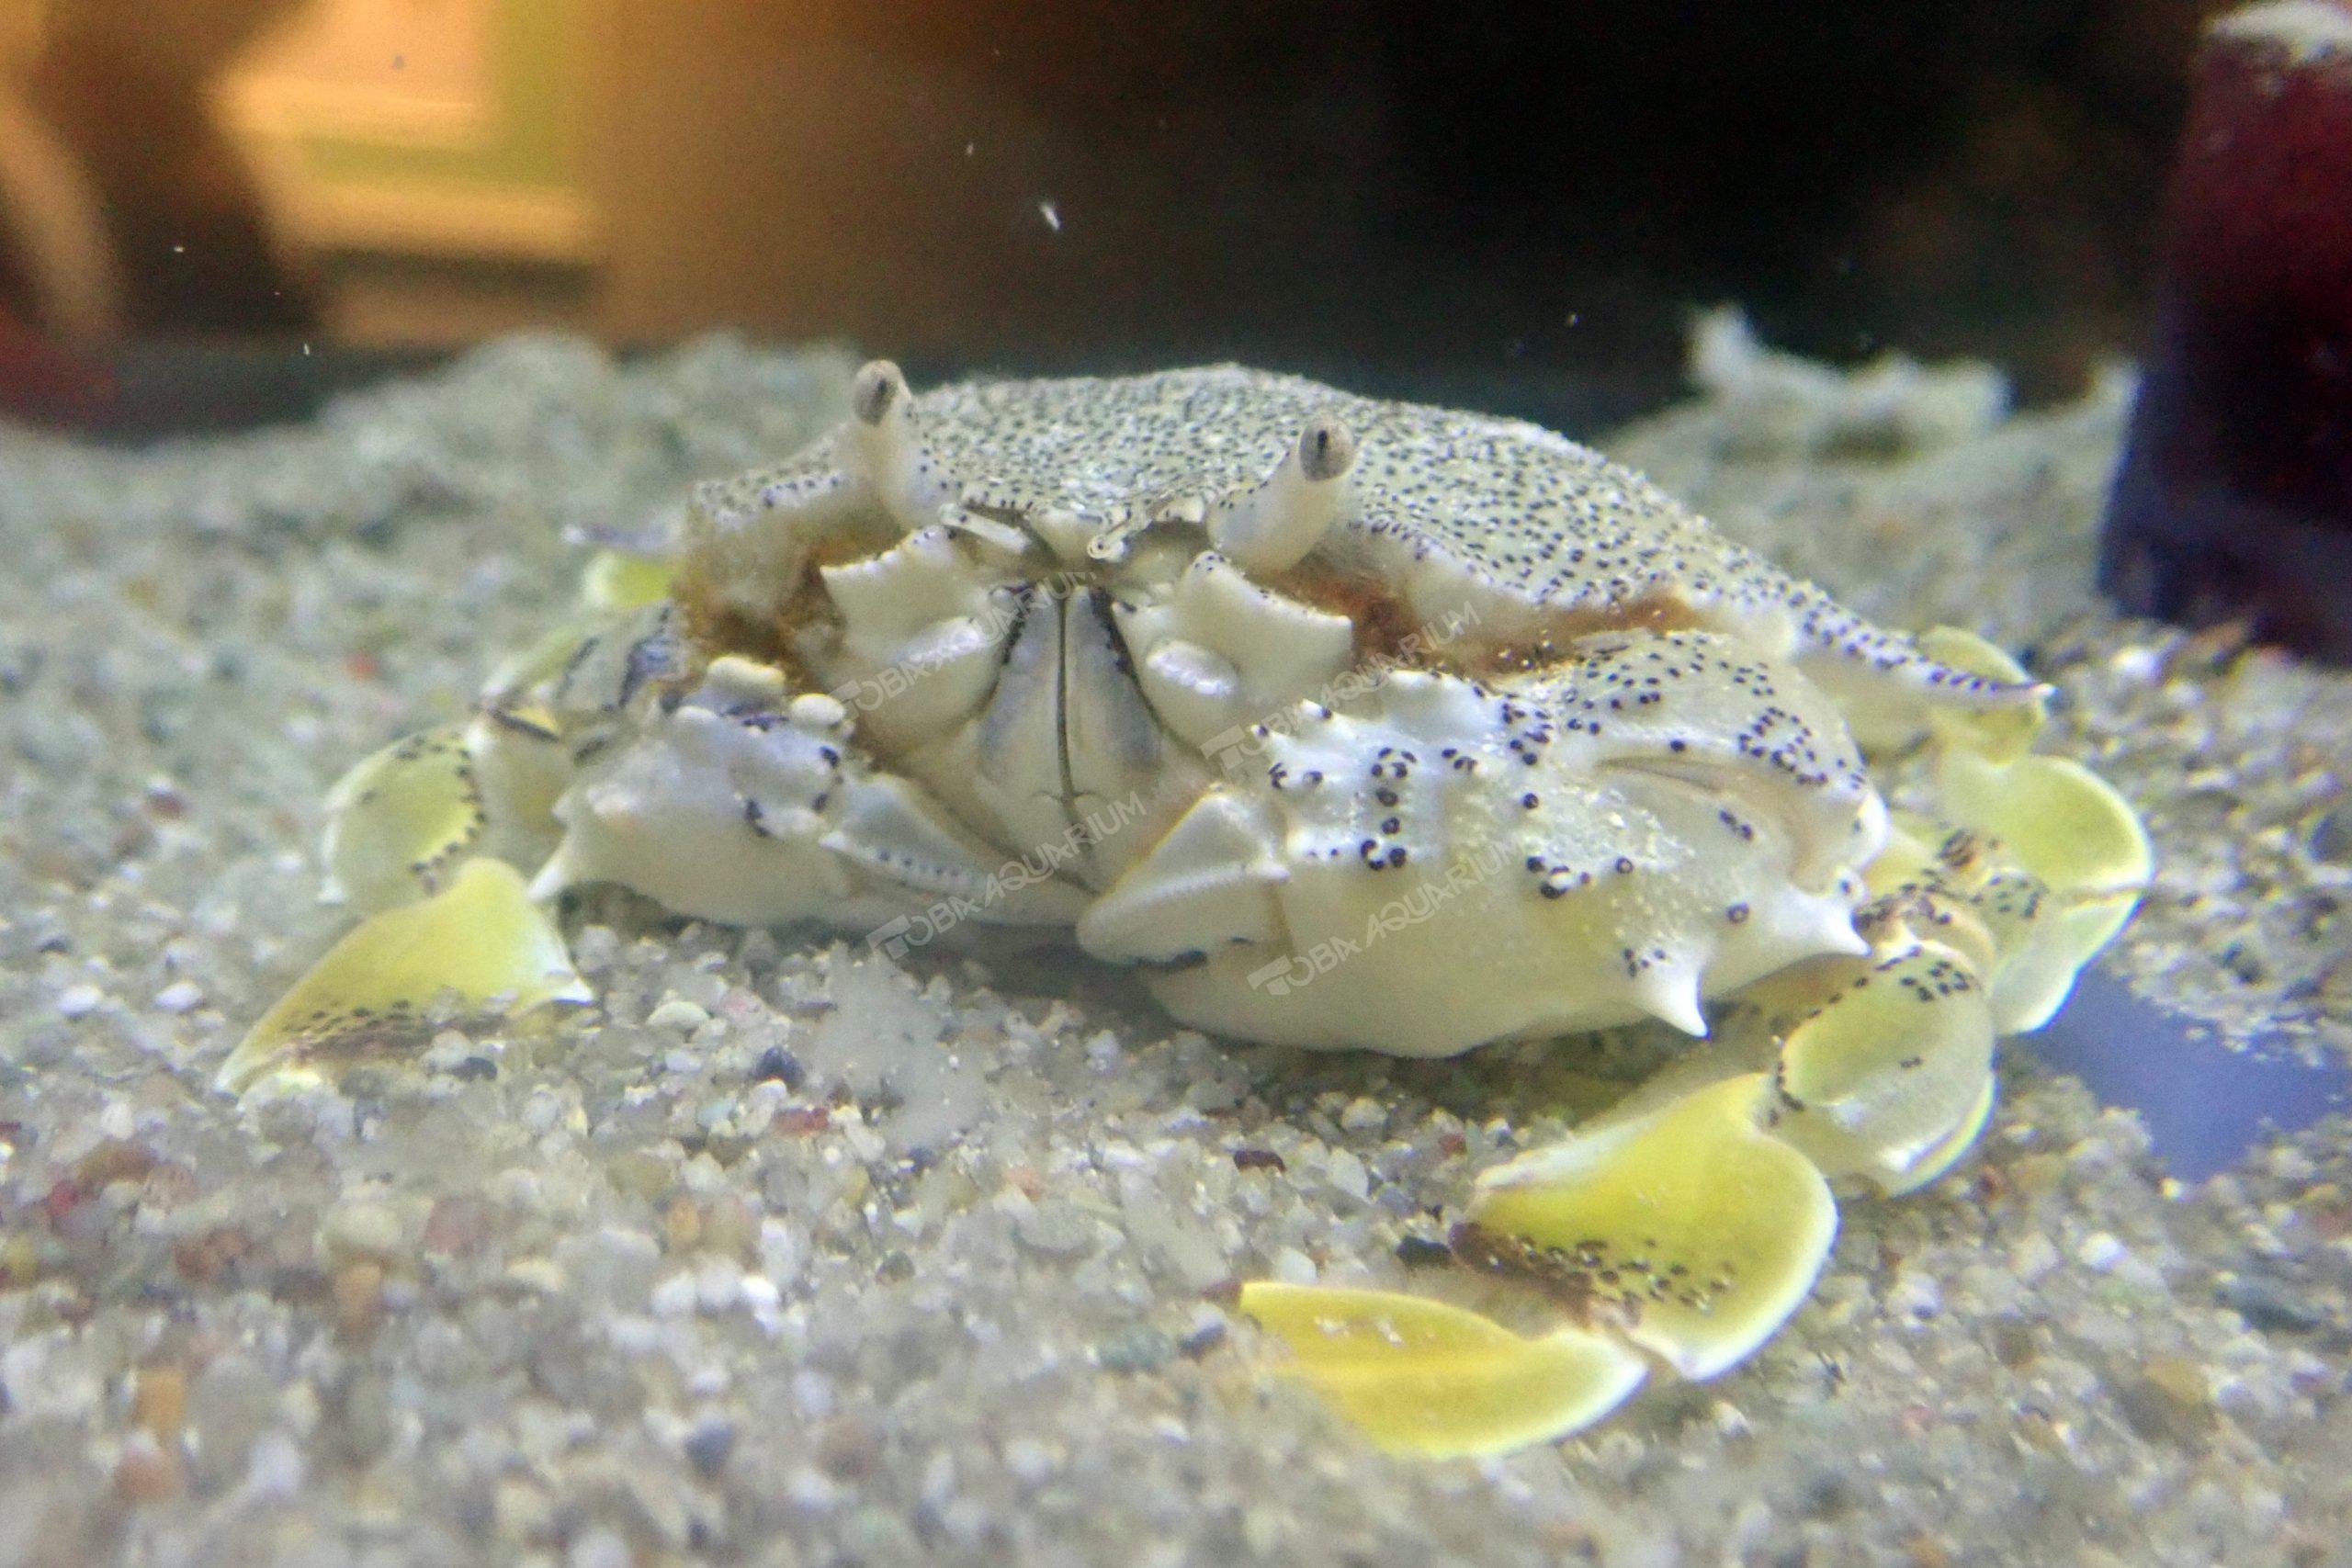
(1352, 724)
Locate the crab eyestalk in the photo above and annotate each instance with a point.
(887, 448)
(1271, 526)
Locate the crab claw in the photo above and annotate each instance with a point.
(481, 940)
(1270, 526)
(1420, 1377)
(1659, 821)
(745, 802)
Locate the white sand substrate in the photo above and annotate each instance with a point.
(785, 1254)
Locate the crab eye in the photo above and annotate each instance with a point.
(876, 388)
(1326, 448)
(1271, 526)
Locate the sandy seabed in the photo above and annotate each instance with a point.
(784, 1253)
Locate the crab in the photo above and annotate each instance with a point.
(1346, 723)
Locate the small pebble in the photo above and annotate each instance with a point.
(810, 1488)
(876, 1534)
(1292, 1267)
(1917, 1295)
(708, 1447)
(358, 1289)
(541, 1275)
(2270, 1305)
(1029, 1460)
(718, 1286)
(679, 1014)
(1203, 1339)
(674, 1296)
(362, 1228)
(159, 1401)
(2033, 1256)
(2332, 836)
(598, 1548)
(779, 1066)
(2168, 1400)
(2101, 1251)
(1347, 1175)
(149, 1471)
(1136, 1349)
(80, 1001)
(275, 1471)
(1421, 1252)
(180, 996)
(1056, 1230)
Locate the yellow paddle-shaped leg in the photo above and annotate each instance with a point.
(1690, 1229)
(402, 819)
(1420, 1377)
(481, 939)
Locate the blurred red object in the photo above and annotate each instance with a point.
(43, 381)
(2233, 500)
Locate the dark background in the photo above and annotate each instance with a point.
(1412, 196)
(1560, 182)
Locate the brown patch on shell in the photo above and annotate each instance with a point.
(1388, 632)
(714, 627)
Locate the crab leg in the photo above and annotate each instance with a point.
(603, 754)
(1426, 1378)
(402, 821)
(481, 940)
(1689, 1230)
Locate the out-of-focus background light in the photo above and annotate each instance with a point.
(979, 182)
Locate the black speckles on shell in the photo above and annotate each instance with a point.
(1522, 516)
(1526, 511)
(1613, 685)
